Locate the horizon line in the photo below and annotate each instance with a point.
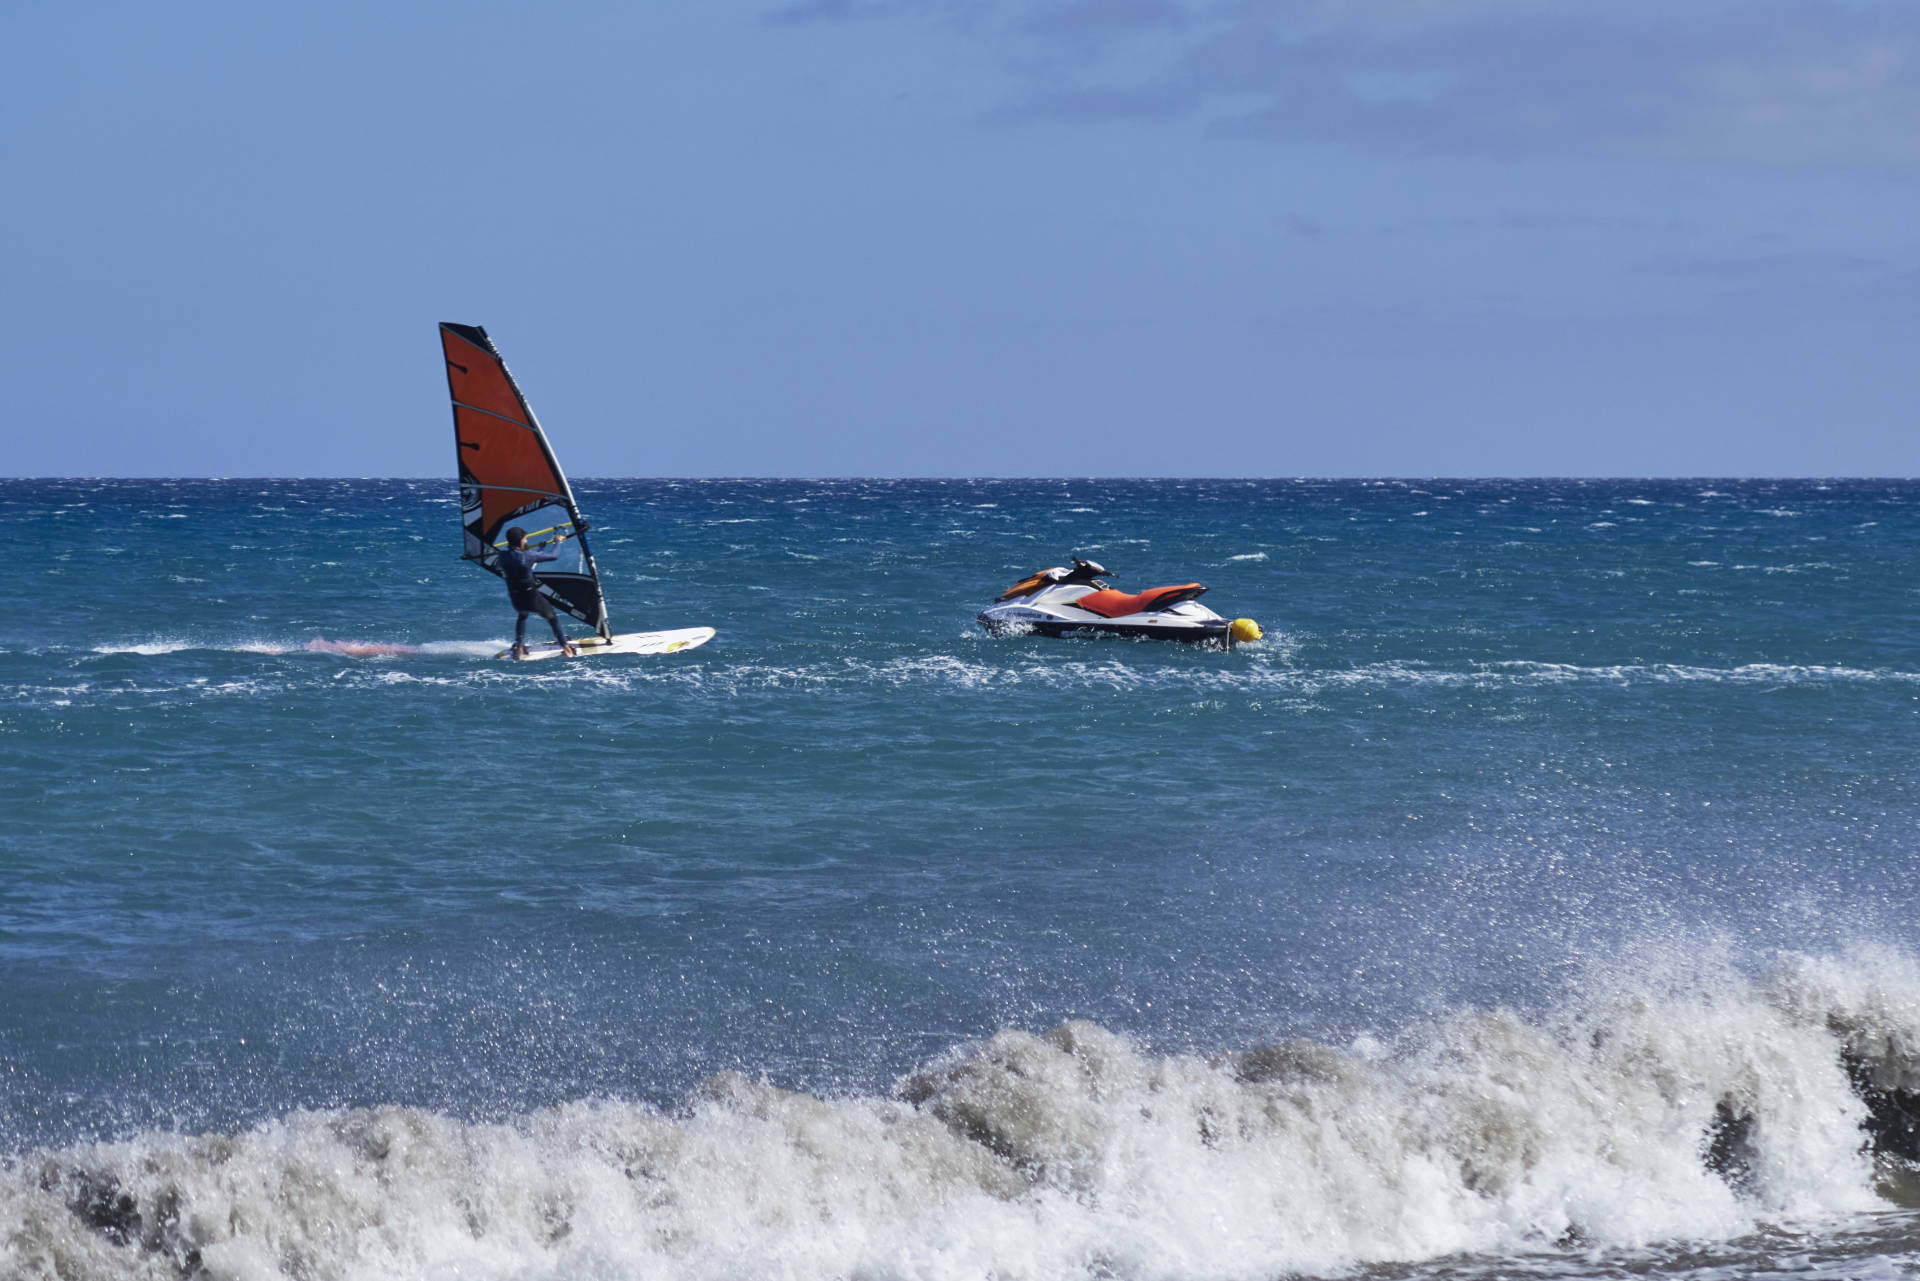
(744, 479)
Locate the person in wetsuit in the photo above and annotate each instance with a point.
(516, 566)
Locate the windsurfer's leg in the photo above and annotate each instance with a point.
(559, 635)
(520, 630)
(553, 620)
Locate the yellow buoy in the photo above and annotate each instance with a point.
(1245, 629)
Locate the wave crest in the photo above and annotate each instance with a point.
(1684, 1116)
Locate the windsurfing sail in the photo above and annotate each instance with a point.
(509, 476)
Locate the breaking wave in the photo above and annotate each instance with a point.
(1642, 1120)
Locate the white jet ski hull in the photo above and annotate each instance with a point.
(1187, 621)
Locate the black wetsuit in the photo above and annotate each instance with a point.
(516, 566)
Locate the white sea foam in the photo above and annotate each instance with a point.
(145, 648)
(464, 649)
(1245, 672)
(1673, 673)
(1644, 1121)
(979, 664)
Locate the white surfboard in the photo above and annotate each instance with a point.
(670, 642)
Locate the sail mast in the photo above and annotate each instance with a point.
(605, 627)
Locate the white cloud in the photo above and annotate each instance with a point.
(1768, 83)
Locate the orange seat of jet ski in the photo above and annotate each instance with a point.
(1109, 603)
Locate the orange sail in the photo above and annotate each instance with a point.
(508, 474)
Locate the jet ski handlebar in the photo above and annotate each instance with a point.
(1086, 571)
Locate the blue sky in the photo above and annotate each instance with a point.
(968, 237)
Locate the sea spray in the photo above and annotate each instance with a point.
(1603, 1127)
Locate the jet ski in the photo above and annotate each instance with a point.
(1068, 602)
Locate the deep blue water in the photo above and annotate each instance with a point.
(1510, 751)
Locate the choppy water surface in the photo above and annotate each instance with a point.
(1538, 899)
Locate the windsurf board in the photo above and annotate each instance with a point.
(668, 642)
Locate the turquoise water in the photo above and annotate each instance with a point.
(1431, 933)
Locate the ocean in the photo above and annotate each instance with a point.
(1536, 900)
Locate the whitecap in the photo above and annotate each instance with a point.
(143, 648)
(1648, 1115)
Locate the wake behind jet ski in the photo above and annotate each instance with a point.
(1066, 602)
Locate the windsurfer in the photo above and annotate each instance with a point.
(516, 566)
